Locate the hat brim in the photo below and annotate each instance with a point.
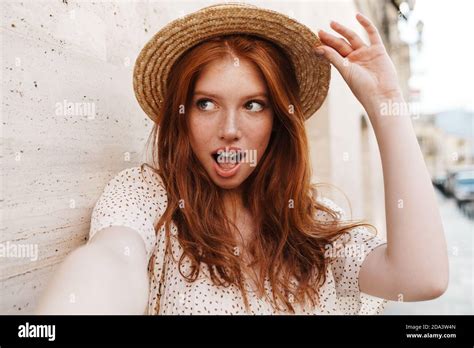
(157, 57)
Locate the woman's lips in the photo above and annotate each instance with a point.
(227, 162)
(226, 170)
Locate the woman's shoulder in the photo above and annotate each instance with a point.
(359, 234)
(142, 175)
(146, 182)
(329, 204)
(347, 254)
(135, 197)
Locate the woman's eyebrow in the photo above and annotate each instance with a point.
(217, 96)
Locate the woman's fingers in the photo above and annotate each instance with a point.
(333, 56)
(339, 44)
(336, 49)
(354, 39)
(374, 36)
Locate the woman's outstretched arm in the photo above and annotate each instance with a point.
(106, 276)
(413, 265)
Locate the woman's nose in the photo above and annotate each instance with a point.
(230, 127)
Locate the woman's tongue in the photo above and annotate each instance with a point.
(226, 163)
(227, 166)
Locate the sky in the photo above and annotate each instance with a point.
(444, 69)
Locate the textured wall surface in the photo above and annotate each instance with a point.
(70, 122)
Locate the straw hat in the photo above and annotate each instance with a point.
(160, 53)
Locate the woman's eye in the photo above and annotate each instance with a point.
(207, 105)
(254, 106)
(204, 104)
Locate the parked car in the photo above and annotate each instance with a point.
(439, 182)
(451, 176)
(463, 187)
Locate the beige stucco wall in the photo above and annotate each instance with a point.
(55, 163)
(343, 152)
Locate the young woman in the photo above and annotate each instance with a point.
(226, 218)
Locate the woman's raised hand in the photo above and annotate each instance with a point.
(367, 69)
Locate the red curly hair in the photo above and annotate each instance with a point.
(289, 242)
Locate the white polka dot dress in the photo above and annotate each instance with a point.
(137, 201)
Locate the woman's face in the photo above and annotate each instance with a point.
(230, 120)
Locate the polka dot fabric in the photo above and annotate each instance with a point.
(136, 202)
(131, 201)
